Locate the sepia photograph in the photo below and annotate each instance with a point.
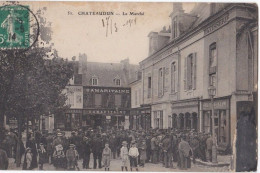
(128, 86)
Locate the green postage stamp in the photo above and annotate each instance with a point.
(14, 27)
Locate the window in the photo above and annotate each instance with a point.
(98, 100)
(149, 87)
(173, 77)
(190, 72)
(174, 27)
(117, 82)
(160, 82)
(136, 95)
(94, 81)
(158, 119)
(213, 55)
(212, 64)
(118, 100)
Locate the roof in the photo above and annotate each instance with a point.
(107, 72)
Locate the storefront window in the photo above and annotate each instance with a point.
(118, 100)
(207, 121)
(98, 100)
(158, 119)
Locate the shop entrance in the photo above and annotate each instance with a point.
(97, 121)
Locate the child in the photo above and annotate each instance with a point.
(133, 155)
(42, 156)
(72, 156)
(27, 159)
(106, 155)
(124, 156)
(59, 157)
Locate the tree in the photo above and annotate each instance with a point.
(31, 82)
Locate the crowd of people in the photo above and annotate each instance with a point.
(173, 148)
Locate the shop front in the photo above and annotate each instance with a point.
(105, 118)
(71, 120)
(221, 119)
(185, 115)
(140, 118)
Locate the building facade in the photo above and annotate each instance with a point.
(214, 45)
(98, 96)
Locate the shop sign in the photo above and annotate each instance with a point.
(74, 111)
(185, 104)
(218, 104)
(107, 90)
(216, 25)
(104, 111)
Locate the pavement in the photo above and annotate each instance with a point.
(115, 165)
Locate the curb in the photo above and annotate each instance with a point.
(219, 164)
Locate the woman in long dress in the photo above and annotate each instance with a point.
(124, 156)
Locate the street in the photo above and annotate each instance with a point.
(115, 165)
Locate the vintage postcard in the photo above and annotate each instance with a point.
(128, 86)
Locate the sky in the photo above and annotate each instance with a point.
(74, 33)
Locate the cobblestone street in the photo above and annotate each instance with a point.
(149, 167)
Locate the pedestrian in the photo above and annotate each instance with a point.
(32, 145)
(106, 155)
(72, 156)
(97, 147)
(27, 159)
(154, 148)
(148, 148)
(42, 156)
(167, 151)
(49, 148)
(113, 145)
(143, 154)
(133, 155)
(184, 153)
(59, 158)
(124, 156)
(86, 149)
(3, 159)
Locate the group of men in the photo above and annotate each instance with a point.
(170, 147)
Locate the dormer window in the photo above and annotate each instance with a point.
(117, 82)
(94, 81)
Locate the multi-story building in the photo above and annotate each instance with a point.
(214, 45)
(140, 115)
(98, 95)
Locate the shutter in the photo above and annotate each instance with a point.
(163, 86)
(194, 70)
(176, 76)
(185, 74)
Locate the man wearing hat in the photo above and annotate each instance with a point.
(86, 149)
(167, 151)
(155, 148)
(97, 148)
(58, 139)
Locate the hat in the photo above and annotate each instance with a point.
(59, 134)
(41, 143)
(72, 145)
(124, 142)
(28, 148)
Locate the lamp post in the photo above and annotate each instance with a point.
(212, 93)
